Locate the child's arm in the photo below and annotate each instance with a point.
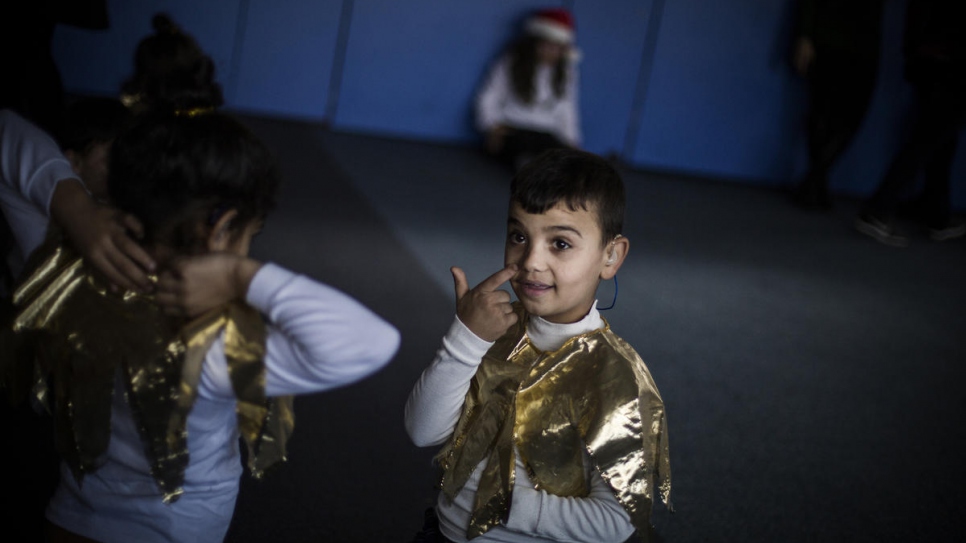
(31, 166)
(491, 98)
(318, 338)
(599, 517)
(483, 315)
(38, 182)
(435, 403)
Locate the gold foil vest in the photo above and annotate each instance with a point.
(70, 339)
(593, 394)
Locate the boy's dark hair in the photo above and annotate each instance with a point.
(579, 179)
(92, 120)
(175, 173)
(171, 71)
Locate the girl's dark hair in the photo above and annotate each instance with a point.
(171, 72)
(176, 173)
(523, 67)
(579, 179)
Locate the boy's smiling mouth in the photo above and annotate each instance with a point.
(534, 289)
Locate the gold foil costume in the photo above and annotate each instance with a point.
(593, 394)
(71, 338)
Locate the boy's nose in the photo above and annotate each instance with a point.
(532, 259)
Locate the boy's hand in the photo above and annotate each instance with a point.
(189, 286)
(485, 310)
(102, 235)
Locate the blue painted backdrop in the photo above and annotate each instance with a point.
(689, 86)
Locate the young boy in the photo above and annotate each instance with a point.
(553, 427)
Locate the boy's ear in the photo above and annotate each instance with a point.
(220, 235)
(614, 255)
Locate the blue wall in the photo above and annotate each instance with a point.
(690, 86)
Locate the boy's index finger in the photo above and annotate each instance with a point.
(494, 281)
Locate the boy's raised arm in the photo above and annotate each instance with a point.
(483, 314)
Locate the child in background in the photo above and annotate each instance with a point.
(149, 405)
(552, 426)
(171, 74)
(528, 102)
(43, 179)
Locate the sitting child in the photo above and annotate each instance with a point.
(149, 405)
(528, 102)
(552, 426)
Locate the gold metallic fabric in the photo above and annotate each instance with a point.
(76, 339)
(593, 394)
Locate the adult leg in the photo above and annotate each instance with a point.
(949, 109)
(931, 143)
(933, 131)
(840, 89)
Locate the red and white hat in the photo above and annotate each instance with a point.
(556, 25)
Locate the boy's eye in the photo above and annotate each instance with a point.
(516, 237)
(560, 245)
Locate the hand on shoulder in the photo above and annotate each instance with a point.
(103, 236)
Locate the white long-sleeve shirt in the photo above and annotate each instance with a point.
(498, 104)
(31, 165)
(318, 338)
(434, 408)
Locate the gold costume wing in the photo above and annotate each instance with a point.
(72, 340)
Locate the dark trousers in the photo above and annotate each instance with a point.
(430, 532)
(520, 145)
(840, 89)
(929, 150)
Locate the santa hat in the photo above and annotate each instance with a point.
(556, 25)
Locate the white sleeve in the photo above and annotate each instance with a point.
(318, 337)
(492, 97)
(31, 165)
(32, 162)
(598, 517)
(570, 112)
(435, 403)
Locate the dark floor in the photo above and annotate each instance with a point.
(813, 377)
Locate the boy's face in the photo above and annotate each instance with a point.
(91, 166)
(561, 259)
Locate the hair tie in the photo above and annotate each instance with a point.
(193, 111)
